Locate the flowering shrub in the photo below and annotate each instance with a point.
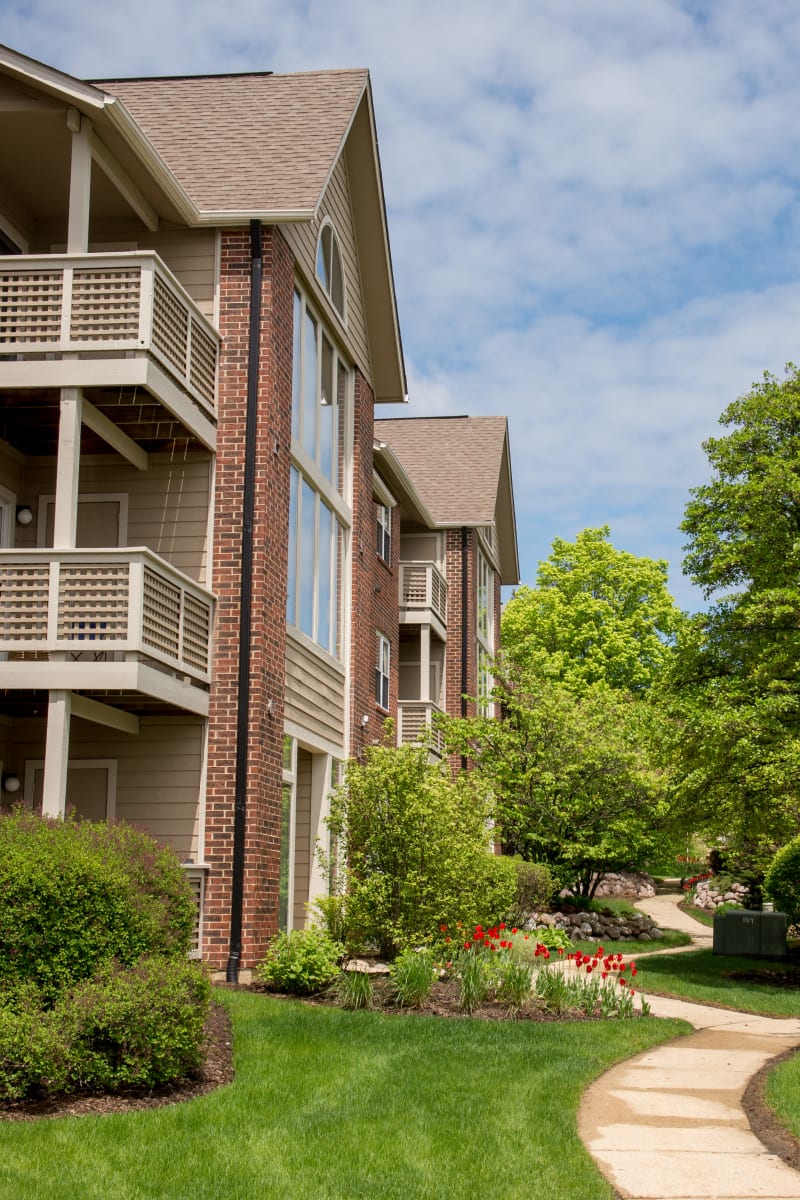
(691, 883)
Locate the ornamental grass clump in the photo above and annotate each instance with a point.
(354, 990)
(413, 974)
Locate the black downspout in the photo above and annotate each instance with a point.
(464, 630)
(246, 593)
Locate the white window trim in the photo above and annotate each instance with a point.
(386, 528)
(336, 241)
(381, 678)
(120, 498)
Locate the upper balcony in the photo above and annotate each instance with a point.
(121, 620)
(108, 321)
(415, 725)
(423, 596)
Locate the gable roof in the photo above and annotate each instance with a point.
(461, 468)
(247, 143)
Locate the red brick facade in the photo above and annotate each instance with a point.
(375, 602)
(270, 542)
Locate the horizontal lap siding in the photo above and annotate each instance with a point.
(191, 256)
(167, 504)
(302, 839)
(314, 693)
(303, 241)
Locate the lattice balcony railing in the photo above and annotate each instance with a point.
(414, 724)
(104, 602)
(423, 587)
(103, 304)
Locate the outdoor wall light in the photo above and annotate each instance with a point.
(11, 783)
(24, 514)
(365, 719)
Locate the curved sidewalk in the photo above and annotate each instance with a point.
(669, 1124)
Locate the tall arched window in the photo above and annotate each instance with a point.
(329, 267)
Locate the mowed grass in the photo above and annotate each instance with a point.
(783, 1093)
(670, 939)
(332, 1105)
(701, 975)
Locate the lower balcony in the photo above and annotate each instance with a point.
(415, 724)
(117, 619)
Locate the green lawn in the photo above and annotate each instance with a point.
(700, 975)
(670, 939)
(783, 1093)
(331, 1105)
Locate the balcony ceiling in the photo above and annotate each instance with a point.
(20, 703)
(29, 422)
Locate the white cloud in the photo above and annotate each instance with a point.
(593, 211)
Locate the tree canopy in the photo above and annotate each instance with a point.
(734, 679)
(598, 615)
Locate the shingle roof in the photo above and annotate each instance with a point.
(247, 143)
(455, 463)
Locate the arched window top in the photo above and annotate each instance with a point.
(329, 267)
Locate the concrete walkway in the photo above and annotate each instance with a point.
(669, 1124)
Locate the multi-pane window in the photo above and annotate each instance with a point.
(384, 531)
(382, 672)
(485, 633)
(329, 267)
(318, 514)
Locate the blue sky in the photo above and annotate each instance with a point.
(593, 209)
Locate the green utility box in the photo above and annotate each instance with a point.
(751, 934)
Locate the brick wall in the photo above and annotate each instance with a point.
(456, 619)
(270, 541)
(375, 603)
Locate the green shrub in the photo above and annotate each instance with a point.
(140, 1026)
(413, 974)
(782, 881)
(416, 848)
(301, 962)
(33, 1053)
(354, 990)
(552, 938)
(536, 886)
(333, 918)
(74, 895)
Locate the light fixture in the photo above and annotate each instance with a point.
(24, 514)
(365, 719)
(11, 783)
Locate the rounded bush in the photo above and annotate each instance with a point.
(782, 881)
(301, 962)
(536, 886)
(74, 895)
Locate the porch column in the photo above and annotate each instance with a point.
(80, 184)
(56, 755)
(68, 469)
(425, 663)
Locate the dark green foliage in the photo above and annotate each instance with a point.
(536, 886)
(782, 881)
(301, 962)
(140, 1026)
(75, 894)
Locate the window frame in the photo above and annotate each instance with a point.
(484, 630)
(383, 676)
(384, 532)
(333, 255)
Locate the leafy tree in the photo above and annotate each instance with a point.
(734, 679)
(597, 615)
(571, 776)
(417, 850)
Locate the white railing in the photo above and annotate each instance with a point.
(104, 602)
(423, 587)
(414, 724)
(98, 304)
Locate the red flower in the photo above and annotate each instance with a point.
(442, 929)
(599, 952)
(604, 975)
(447, 941)
(560, 949)
(502, 926)
(633, 969)
(514, 930)
(467, 945)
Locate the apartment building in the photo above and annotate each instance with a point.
(202, 543)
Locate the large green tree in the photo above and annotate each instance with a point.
(735, 679)
(597, 615)
(572, 775)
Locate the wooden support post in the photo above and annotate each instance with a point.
(56, 755)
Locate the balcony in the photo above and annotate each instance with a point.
(108, 320)
(107, 619)
(414, 724)
(423, 595)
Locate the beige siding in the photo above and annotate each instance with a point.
(191, 256)
(314, 692)
(303, 240)
(159, 770)
(302, 838)
(421, 547)
(167, 504)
